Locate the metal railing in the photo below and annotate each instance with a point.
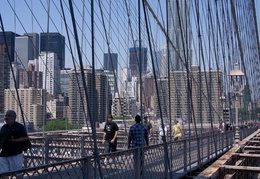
(46, 158)
(242, 161)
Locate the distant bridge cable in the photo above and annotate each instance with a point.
(167, 162)
(74, 64)
(19, 20)
(96, 155)
(233, 10)
(167, 37)
(107, 35)
(12, 70)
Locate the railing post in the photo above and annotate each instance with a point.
(82, 145)
(47, 147)
(87, 168)
(226, 137)
(222, 141)
(185, 160)
(137, 163)
(209, 145)
(199, 154)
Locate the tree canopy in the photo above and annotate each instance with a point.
(61, 125)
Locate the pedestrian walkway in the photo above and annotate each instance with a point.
(242, 161)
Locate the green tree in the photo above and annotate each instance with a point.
(60, 125)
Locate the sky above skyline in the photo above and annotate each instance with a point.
(31, 16)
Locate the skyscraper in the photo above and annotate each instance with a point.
(4, 75)
(125, 77)
(164, 65)
(56, 44)
(149, 91)
(163, 97)
(110, 61)
(77, 98)
(64, 81)
(135, 62)
(31, 101)
(179, 34)
(35, 42)
(157, 58)
(23, 51)
(5, 53)
(10, 39)
(205, 98)
(30, 78)
(14, 83)
(49, 65)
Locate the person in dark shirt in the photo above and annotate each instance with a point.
(148, 125)
(110, 135)
(138, 134)
(12, 134)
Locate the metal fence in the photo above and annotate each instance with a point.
(61, 157)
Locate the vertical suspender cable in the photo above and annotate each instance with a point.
(166, 159)
(233, 10)
(92, 119)
(256, 26)
(74, 64)
(45, 76)
(140, 76)
(140, 58)
(169, 79)
(12, 71)
(107, 35)
(46, 67)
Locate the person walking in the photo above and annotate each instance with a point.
(162, 137)
(149, 125)
(138, 137)
(12, 134)
(110, 136)
(177, 130)
(138, 134)
(221, 126)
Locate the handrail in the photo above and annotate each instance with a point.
(123, 163)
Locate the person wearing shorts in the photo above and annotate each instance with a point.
(11, 136)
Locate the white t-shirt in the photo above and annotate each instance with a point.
(222, 127)
(161, 130)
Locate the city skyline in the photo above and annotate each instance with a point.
(118, 34)
(21, 26)
(28, 20)
(192, 67)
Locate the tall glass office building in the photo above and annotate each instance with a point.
(56, 44)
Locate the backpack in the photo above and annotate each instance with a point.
(26, 145)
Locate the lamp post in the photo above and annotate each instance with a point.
(236, 77)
